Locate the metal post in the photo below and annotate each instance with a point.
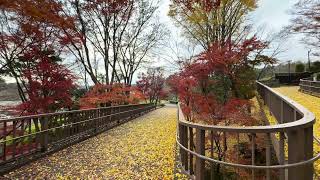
(289, 71)
(309, 63)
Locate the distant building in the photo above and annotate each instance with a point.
(291, 78)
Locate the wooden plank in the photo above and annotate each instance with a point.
(200, 149)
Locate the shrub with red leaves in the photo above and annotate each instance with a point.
(49, 84)
(102, 95)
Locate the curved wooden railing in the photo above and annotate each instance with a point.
(288, 146)
(26, 138)
(309, 86)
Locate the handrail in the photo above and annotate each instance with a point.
(310, 87)
(21, 142)
(306, 121)
(250, 166)
(64, 112)
(308, 79)
(291, 128)
(69, 125)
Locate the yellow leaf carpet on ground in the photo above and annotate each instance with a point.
(140, 149)
(310, 102)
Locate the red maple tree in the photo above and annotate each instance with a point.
(211, 87)
(216, 87)
(152, 84)
(27, 25)
(49, 83)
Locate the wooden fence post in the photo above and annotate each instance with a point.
(200, 149)
(295, 153)
(191, 145)
(183, 136)
(308, 152)
(44, 135)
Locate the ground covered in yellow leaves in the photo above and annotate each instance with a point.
(312, 103)
(141, 149)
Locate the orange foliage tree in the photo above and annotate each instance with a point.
(102, 95)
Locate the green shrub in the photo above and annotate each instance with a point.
(161, 105)
(300, 67)
(315, 67)
(173, 102)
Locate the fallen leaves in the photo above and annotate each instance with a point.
(140, 149)
(310, 102)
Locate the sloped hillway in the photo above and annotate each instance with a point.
(140, 149)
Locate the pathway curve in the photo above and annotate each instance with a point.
(310, 102)
(140, 149)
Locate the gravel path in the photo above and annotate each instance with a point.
(141, 149)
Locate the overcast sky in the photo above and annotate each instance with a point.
(273, 14)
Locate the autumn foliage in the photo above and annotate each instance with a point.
(217, 85)
(102, 95)
(49, 83)
(105, 42)
(190, 4)
(151, 85)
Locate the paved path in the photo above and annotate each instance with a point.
(313, 104)
(141, 149)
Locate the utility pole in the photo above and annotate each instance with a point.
(289, 71)
(279, 67)
(289, 66)
(309, 63)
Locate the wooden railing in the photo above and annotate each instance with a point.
(310, 87)
(287, 148)
(24, 139)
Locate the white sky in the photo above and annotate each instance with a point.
(273, 14)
